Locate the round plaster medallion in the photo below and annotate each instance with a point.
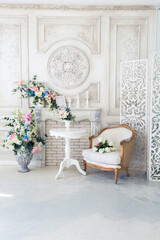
(68, 67)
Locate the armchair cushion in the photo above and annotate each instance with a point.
(114, 134)
(112, 158)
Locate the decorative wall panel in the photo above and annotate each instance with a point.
(128, 41)
(9, 63)
(154, 153)
(54, 29)
(134, 75)
(13, 68)
(68, 67)
(13, 59)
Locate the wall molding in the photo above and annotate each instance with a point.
(75, 8)
(86, 29)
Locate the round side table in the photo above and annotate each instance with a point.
(73, 133)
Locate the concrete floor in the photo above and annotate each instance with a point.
(34, 206)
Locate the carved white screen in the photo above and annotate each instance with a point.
(154, 150)
(133, 107)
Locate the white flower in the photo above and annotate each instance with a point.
(18, 142)
(27, 122)
(101, 151)
(111, 143)
(40, 145)
(100, 140)
(38, 94)
(113, 149)
(29, 134)
(95, 149)
(107, 149)
(41, 89)
(22, 148)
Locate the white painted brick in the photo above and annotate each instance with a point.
(55, 148)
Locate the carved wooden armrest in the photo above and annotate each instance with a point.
(125, 151)
(90, 140)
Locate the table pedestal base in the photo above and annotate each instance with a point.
(67, 162)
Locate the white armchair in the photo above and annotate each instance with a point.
(123, 137)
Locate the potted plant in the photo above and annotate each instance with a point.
(23, 138)
(66, 115)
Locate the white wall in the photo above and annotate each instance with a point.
(85, 2)
(158, 31)
(28, 37)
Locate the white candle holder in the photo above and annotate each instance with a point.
(87, 99)
(77, 100)
(69, 102)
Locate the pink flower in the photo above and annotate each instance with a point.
(61, 112)
(25, 140)
(25, 89)
(54, 96)
(28, 116)
(35, 89)
(11, 136)
(21, 83)
(35, 149)
(97, 144)
(16, 82)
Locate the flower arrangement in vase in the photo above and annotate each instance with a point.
(104, 146)
(23, 138)
(66, 115)
(38, 92)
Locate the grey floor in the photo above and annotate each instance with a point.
(34, 206)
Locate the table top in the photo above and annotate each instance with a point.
(71, 133)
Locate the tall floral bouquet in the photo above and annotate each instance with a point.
(104, 146)
(66, 114)
(38, 92)
(23, 135)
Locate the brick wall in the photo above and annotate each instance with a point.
(55, 148)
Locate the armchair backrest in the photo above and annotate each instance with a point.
(115, 134)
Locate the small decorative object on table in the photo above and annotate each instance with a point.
(66, 115)
(104, 146)
(87, 99)
(61, 101)
(23, 139)
(77, 100)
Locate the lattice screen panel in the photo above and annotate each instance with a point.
(154, 153)
(133, 109)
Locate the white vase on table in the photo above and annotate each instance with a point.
(67, 124)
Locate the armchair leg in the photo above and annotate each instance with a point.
(85, 166)
(116, 175)
(127, 173)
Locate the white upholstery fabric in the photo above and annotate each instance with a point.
(103, 165)
(114, 134)
(105, 158)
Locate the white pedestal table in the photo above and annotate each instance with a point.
(72, 133)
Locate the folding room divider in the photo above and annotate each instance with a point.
(140, 109)
(133, 107)
(154, 143)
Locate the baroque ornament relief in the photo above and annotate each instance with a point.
(154, 171)
(134, 107)
(68, 67)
